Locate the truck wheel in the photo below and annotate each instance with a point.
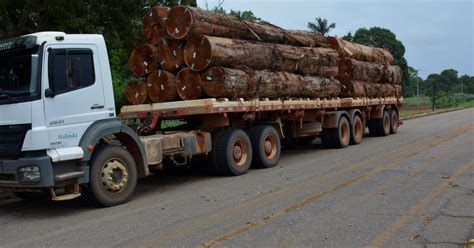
(380, 126)
(113, 176)
(232, 152)
(266, 146)
(357, 130)
(339, 137)
(32, 196)
(212, 162)
(393, 121)
(325, 139)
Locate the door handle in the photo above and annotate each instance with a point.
(97, 106)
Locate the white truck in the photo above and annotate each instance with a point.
(60, 136)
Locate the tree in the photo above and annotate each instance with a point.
(382, 37)
(348, 37)
(246, 15)
(413, 80)
(321, 26)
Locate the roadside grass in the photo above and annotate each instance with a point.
(422, 106)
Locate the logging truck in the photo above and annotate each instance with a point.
(61, 136)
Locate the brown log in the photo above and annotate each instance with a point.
(142, 59)
(184, 22)
(154, 24)
(161, 86)
(350, 69)
(220, 82)
(188, 84)
(203, 51)
(170, 54)
(136, 92)
(365, 89)
(360, 52)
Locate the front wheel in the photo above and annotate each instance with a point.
(113, 176)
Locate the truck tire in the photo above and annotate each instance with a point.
(113, 176)
(338, 137)
(213, 165)
(357, 130)
(32, 196)
(325, 138)
(380, 126)
(232, 152)
(393, 121)
(266, 146)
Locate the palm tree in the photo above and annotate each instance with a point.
(321, 26)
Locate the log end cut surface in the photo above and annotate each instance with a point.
(188, 84)
(180, 21)
(161, 86)
(198, 53)
(213, 81)
(154, 24)
(170, 54)
(142, 59)
(136, 92)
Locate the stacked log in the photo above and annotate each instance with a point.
(192, 53)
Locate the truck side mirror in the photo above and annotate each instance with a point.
(49, 93)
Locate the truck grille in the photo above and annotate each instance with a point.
(11, 139)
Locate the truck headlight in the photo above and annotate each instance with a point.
(30, 173)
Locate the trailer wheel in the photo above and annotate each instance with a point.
(113, 176)
(232, 152)
(325, 139)
(266, 146)
(212, 162)
(339, 137)
(393, 121)
(380, 126)
(357, 130)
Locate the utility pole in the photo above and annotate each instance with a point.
(417, 84)
(462, 85)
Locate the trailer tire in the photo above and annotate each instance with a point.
(339, 137)
(393, 121)
(266, 146)
(325, 138)
(113, 176)
(232, 152)
(357, 130)
(380, 126)
(213, 165)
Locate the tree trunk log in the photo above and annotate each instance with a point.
(360, 52)
(183, 22)
(170, 54)
(136, 92)
(203, 51)
(220, 82)
(161, 86)
(142, 59)
(364, 89)
(188, 84)
(354, 70)
(154, 24)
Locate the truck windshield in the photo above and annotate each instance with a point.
(18, 75)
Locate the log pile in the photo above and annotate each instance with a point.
(191, 53)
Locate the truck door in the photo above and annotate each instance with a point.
(74, 96)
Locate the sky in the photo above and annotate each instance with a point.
(437, 34)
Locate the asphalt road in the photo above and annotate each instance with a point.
(412, 189)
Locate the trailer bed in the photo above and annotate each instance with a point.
(181, 109)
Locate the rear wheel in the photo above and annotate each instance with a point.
(357, 130)
(113, 176)
(380, 126)
(393, 121)
(232, 152)
(266, 146)
(338, 137)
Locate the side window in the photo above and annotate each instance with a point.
(70, 69)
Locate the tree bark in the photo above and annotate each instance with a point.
(170, 54)
(188, 84)
(350, 69)
(142, 59)
(183, 22)
(203, 51)
(364, 89)
(136, 92)
(220, 82)
(154, 24)
(360, 52)
(161, 86)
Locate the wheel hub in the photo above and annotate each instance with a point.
(114, 175)
(239, 152)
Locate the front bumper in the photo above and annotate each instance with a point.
(10, 172)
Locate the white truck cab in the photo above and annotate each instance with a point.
(56, 103)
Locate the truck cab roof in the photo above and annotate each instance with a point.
(53, 36)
